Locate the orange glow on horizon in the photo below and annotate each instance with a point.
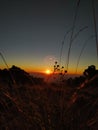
(44, 70)
(48, 71)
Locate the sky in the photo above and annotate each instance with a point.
(32, 33)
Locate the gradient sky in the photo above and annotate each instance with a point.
(32, 31)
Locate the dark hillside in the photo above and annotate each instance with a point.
(30, 105)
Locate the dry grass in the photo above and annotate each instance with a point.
(48, 107)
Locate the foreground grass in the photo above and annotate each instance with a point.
(49, 107)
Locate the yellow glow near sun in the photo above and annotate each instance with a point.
(48, 71)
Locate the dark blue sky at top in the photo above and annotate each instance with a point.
(31, 32)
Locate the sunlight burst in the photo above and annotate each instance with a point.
(48, 71)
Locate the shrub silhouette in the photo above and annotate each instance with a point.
(90, 71)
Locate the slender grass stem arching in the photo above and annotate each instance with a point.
(73, 28)
(81, 52)
(76, 35)
(4, 60)
(95, 25)
(62, 45)
(81, 29)
(7, 67)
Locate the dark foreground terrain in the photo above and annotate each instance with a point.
(31, 104)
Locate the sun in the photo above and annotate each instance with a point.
(48, 71)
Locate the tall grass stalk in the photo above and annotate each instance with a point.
(70, 44)
(13, 80)
(95, 26)
(73, 28)
(62, 45)
(81, 52)
(81, 29)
